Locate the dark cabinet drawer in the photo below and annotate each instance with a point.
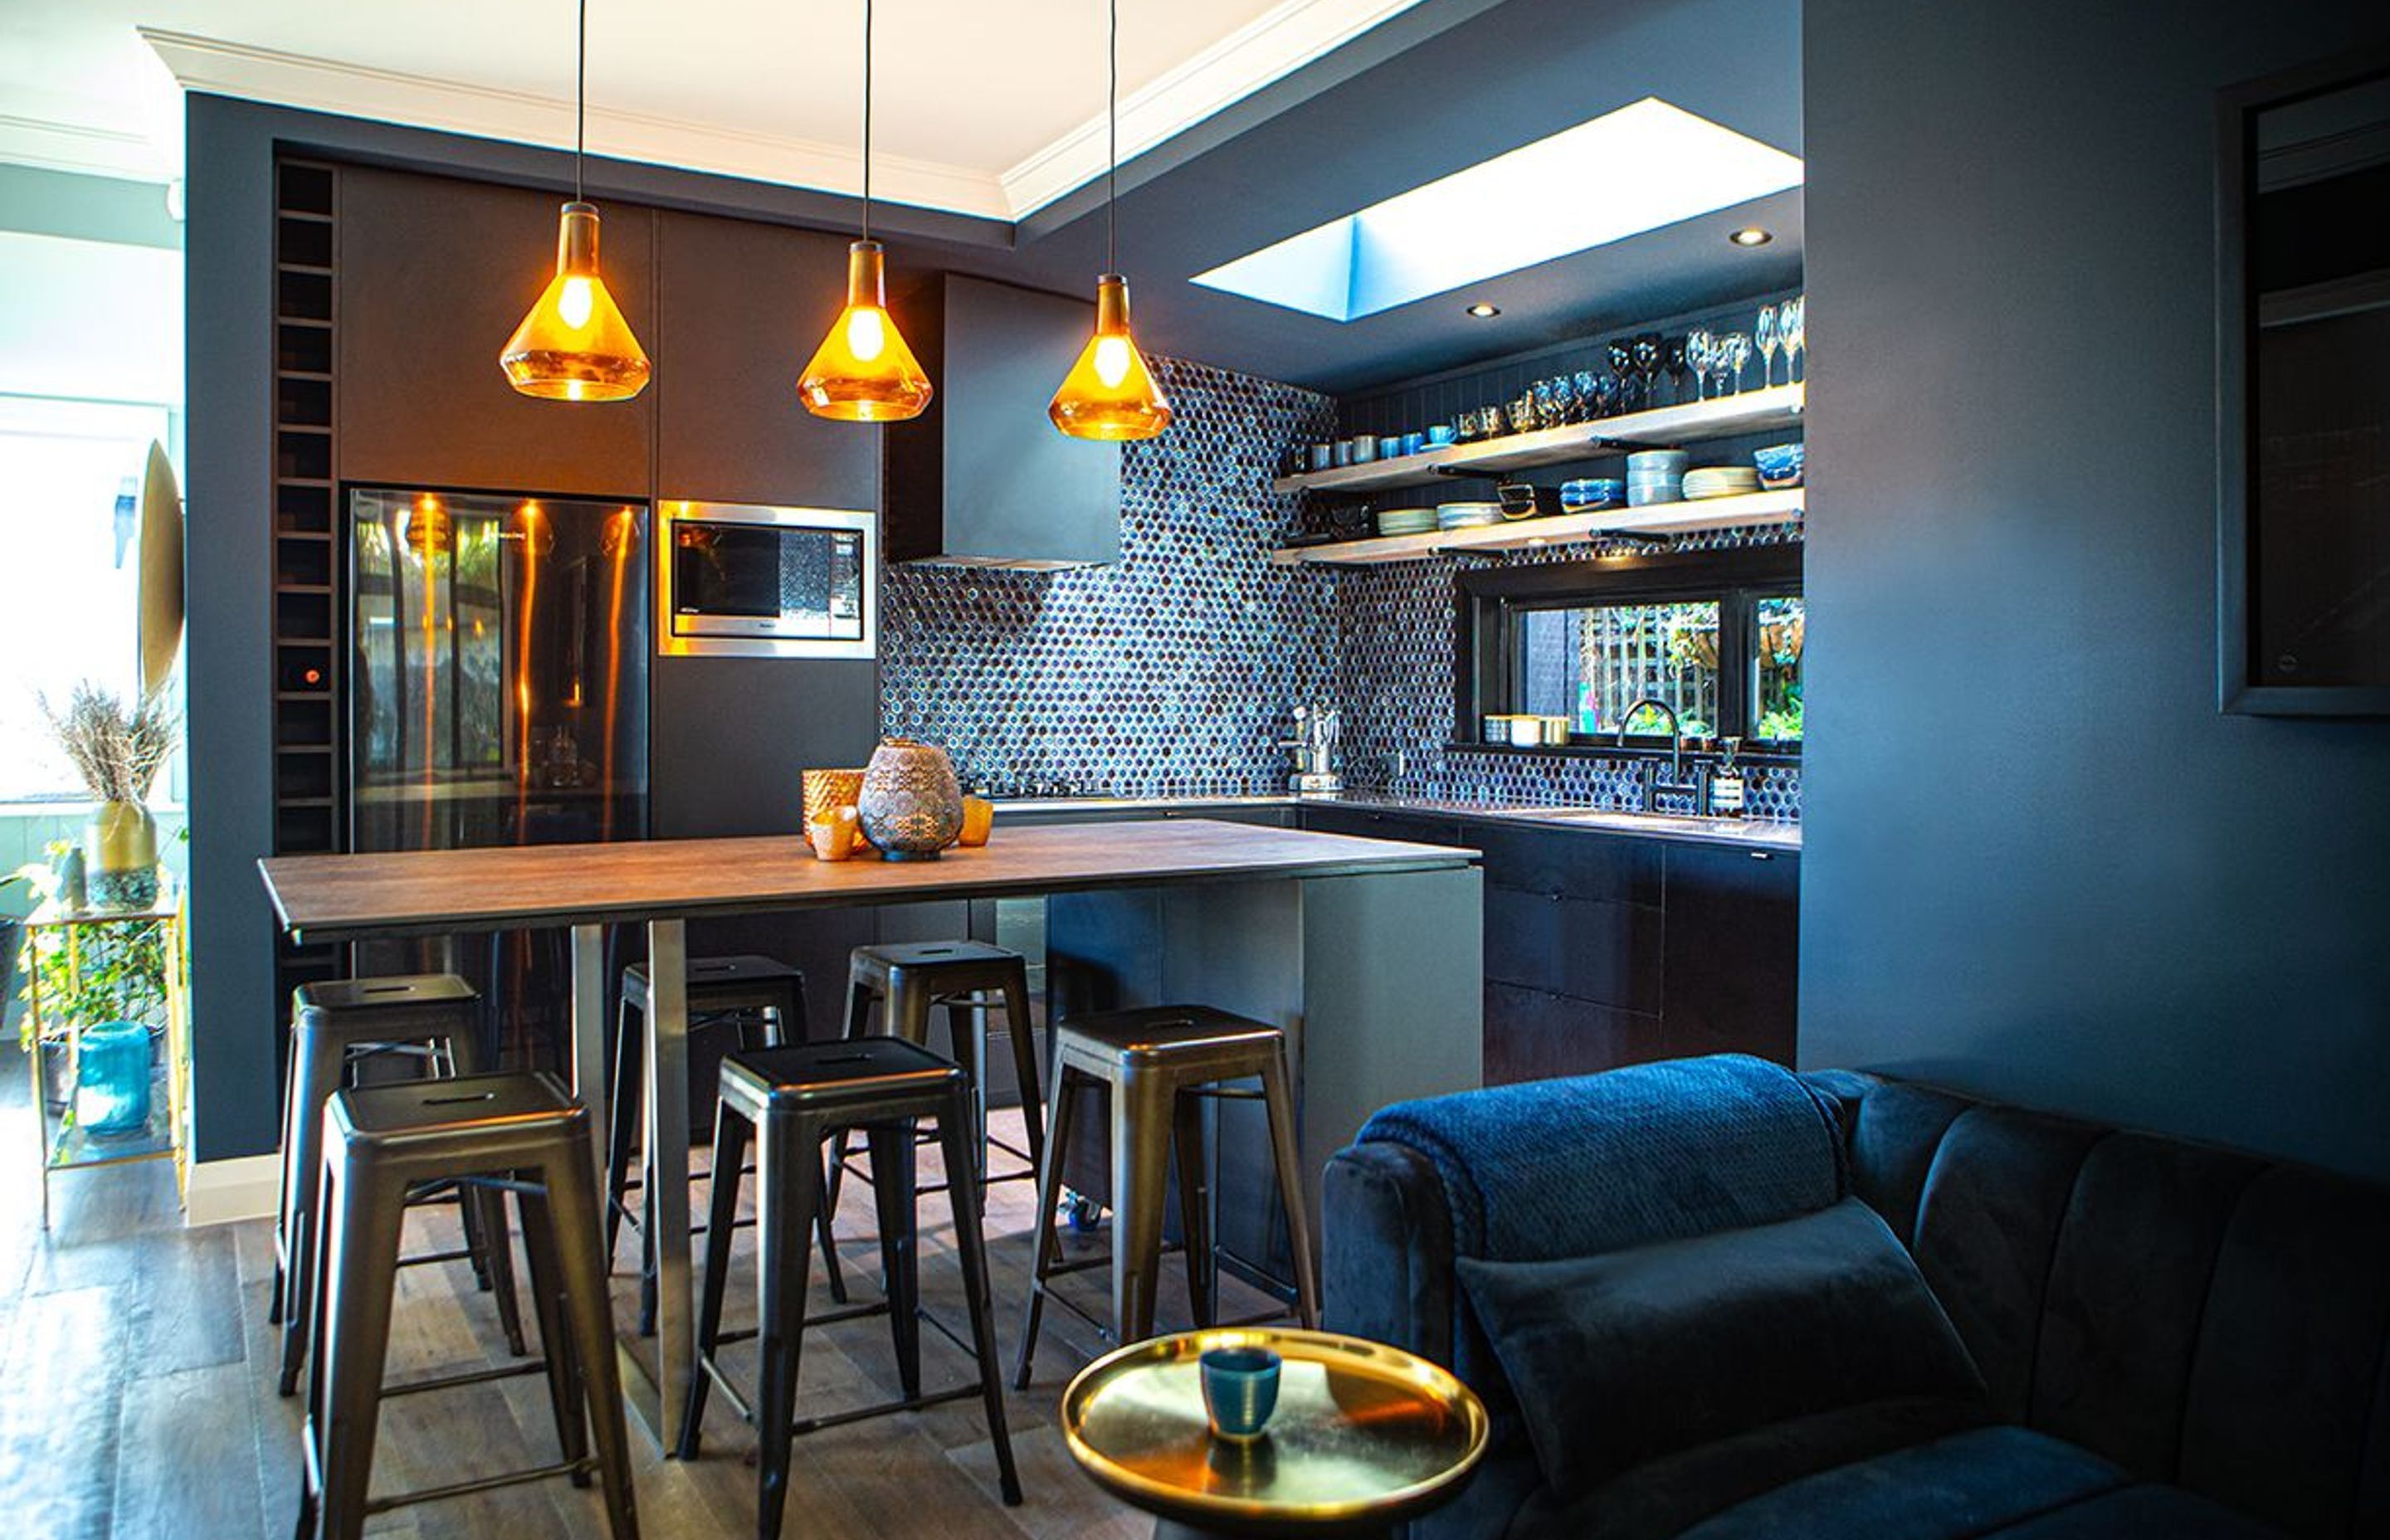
(1732, 972)
(1370, 823)
(1267, 817)
(1610, 867)
(1608, 954)
(1535, 1035)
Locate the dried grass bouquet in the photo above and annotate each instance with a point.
(117, 748)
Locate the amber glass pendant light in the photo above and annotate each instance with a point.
(863, 371)
(1109, 393)
(574, 344)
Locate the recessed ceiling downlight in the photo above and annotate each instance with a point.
(1645, 165)
(1752, 235)
(1485, 312)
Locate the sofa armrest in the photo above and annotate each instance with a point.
(1387, 1251)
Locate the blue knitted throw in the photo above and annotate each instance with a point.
(1565, 1168)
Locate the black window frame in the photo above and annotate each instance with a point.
(1492, 597)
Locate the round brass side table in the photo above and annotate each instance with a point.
(1365, 1436)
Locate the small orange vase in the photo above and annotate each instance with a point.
(979, 819)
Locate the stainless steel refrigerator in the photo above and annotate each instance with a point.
(497, 687)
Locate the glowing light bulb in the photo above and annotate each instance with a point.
(1113, 355)
(867, 332)
(576, 303)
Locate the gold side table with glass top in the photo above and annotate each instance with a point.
(1365, 1436)
(83, 967)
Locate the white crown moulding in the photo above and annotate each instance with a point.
(1265, 50)
(54, 144)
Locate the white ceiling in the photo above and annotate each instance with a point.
(982, 107)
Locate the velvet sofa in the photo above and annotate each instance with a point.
(1716, 1300)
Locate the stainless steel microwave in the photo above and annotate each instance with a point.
(748, 581)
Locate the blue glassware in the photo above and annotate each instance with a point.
(112, 1079)
(1441, 434)
(1414, 442)
(1240, 1391)
(1389, 446)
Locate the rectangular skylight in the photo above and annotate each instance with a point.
(1645, 165)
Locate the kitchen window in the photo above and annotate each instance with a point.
(1716, 636)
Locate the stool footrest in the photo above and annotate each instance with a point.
(482, 1483)
(467, 1377)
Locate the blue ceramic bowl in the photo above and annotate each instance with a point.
(1240, 1391)
(1599, 493)
(1780, 466)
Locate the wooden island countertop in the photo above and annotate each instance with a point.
(424, 892)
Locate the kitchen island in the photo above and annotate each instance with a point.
(1366, 952)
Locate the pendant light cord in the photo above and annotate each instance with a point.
(866, 120)
(1111, 152)
(581, 105)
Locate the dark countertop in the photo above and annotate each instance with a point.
(1753, 833)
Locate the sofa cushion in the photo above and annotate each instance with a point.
(1618, 1358)
(1660, 1499)
(2005, 1482)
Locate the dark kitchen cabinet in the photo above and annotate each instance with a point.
(742, 308)
(431, 276)
(1604, 949)
(1731, 977)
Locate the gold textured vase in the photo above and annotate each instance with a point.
(912, 803)
(826, 791)
(121, 857)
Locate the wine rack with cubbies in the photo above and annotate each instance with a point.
(307, 575)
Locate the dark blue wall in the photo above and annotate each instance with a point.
(2039, 864)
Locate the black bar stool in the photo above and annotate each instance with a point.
(762, 1000)
(433, 1018)
(1158, 1064)
(969, 979)
(789, 1100)
(507, 1133)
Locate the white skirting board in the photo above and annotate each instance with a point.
(218, 1192)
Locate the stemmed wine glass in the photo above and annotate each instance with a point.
(1701, 355)
(1766, 338)
(1738, 353)
(1793, 325)
(1645, 353)
(1621, 366)
(1673, 360)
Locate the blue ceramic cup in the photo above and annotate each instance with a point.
(1440, 434)
(1389, 446)
(1240, 1391)
(1414, 442)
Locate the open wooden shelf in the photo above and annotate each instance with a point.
(1663, 427)
(1659, 520)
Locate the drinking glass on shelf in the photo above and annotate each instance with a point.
(1794, 327)
(1596, 394)
(1701, 356)
(1766, 339)
(1738, 353)
(1555, 401)
(1622, 368)
(1672, 358)
(1645, 351)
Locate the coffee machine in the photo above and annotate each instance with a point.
(1316, 729)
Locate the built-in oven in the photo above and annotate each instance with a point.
(749, 581)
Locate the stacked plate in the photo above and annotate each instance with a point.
(1406, 520)
(1467, 516)
(1721, 480)
(1655, 476)
(1583, 495)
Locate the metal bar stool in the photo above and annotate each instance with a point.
(790, 1100)
(969, 979)
(431, 1017)
(1158, 1064)
(764, 1001)
(506, 1132)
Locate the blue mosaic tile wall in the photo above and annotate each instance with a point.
(1174, 671)
(1171, 673)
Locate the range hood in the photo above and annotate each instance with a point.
(981, 478)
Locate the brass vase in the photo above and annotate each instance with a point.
(121, 857)
(912, 804)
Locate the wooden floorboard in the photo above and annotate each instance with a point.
(139, 1397)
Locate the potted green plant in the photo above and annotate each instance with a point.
(118, 750)
(115, 977)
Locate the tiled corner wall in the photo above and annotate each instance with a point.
(1174, 671)
(1170, 672)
